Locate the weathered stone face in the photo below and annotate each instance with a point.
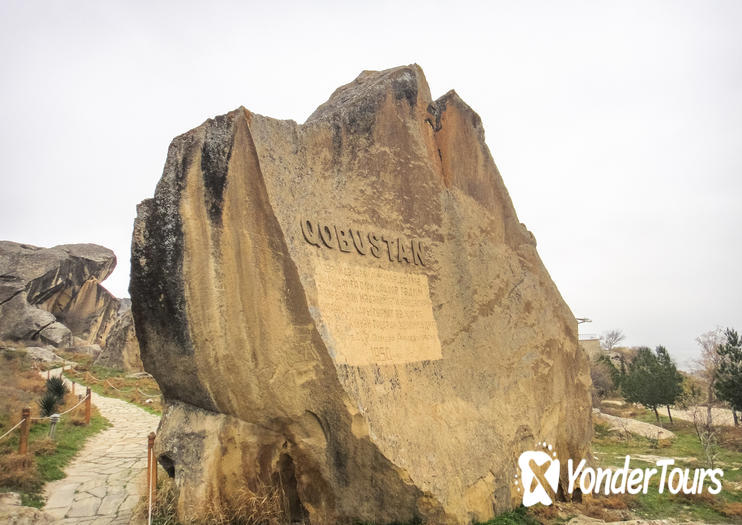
(122, 348)
(52, 294)
(351, 306)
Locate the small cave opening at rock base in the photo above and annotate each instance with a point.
(285, 479)
(168, 464)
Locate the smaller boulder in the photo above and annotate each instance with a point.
(45, 355)
(56, 334)
(13, 513)
(93, 350)
(122, 348)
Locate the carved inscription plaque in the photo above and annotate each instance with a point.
(375, 316)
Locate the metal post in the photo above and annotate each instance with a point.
(25, 429)
(88, 401)
(53, 425)
(73, 388)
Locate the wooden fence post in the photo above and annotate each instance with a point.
(88, 402)
(25, 428)
(73, 388)
(151, 466)
(48, 373)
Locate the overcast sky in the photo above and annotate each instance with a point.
(617, 126)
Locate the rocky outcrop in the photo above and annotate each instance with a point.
(91, 313)
(53, 294)
(350, 309)
(122, 348)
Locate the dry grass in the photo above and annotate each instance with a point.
(703, 498)
(729, 509)
(607, 508)
(43, 447)
(545, 514)
(164, 510)
(732, 510)
(266, 506)
(19, 472)
(20, 386)
(730, 437)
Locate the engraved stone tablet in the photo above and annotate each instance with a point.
(375, 316)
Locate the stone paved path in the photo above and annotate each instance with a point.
(106, 479)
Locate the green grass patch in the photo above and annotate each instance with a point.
(70, 438)
(687, 451)
(21, 386)
(111, 382)
(517, 516)
(47, 458)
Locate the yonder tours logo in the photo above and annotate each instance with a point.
(540, 469)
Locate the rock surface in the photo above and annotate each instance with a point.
(52, 294)
(351, 309)
(625, 424)
(122, 347)
(13, 513)
(45, 354)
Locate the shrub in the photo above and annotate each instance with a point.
(55, 385)
(48, 404)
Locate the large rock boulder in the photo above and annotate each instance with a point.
(52, 294)
(350, 309)
(122, 348)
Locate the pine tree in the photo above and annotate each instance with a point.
(652, 380)
(729, 374)
(669, 378)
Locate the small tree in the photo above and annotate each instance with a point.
(615, 372)
(728, 383)
(602, 372)
(709, 364)
(692, 394)
(610, 339)
(670, 379)
(652, 380)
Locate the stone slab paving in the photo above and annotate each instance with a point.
(106, 479)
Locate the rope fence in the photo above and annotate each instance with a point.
(108, 382)
(83, 400)
(87, 377)
(145, 394)
(26, 419)
(12, 429)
